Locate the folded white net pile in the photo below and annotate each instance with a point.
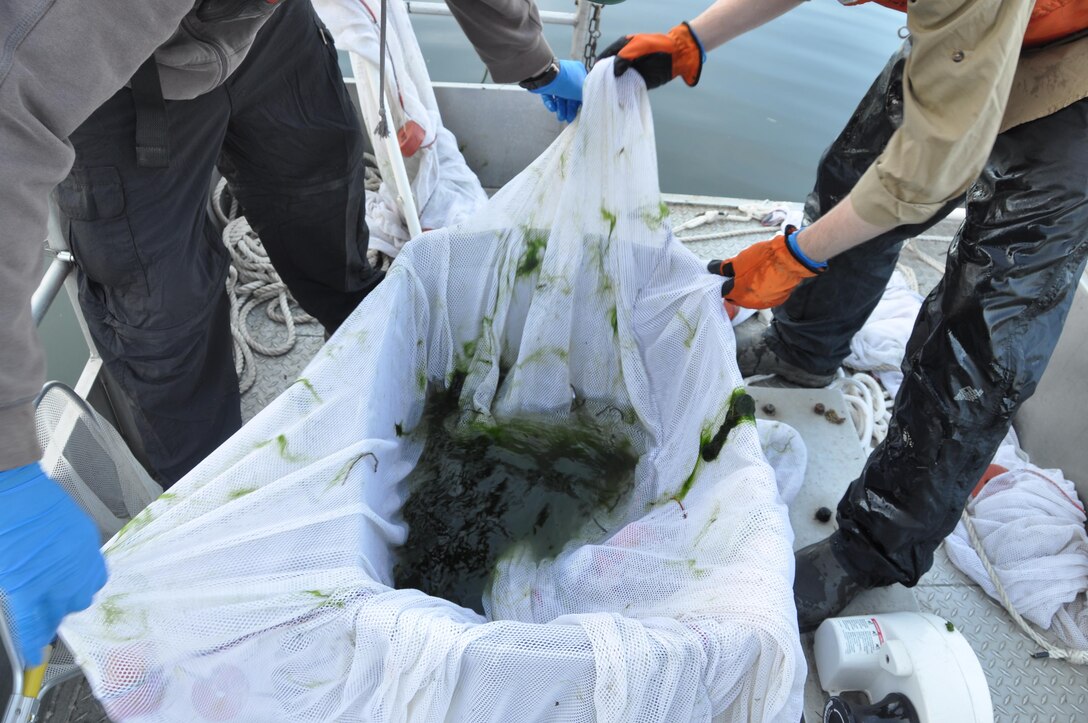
(260, 587)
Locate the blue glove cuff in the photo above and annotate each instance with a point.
(695, 37)
(791, 242)
(568, 83)
(12, 478)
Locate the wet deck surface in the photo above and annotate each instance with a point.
(1022, 689)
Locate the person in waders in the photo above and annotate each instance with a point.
(125, 108)
(985, 105)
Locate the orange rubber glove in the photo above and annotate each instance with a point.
(659, 58)
(766, 273)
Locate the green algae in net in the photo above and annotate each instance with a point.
(480, 489)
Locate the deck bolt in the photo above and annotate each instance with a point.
(768, 409)
(823, 515)
(819, 408)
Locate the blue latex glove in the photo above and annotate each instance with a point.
(565, 110)
(563, 96)
(49, 560)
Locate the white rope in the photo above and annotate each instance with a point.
(372, 181)
(870, 406)
(1078, 657)
(252, 281)
(710, 217)
(909, 277)
(757, 378)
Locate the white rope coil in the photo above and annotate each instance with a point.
(372, 181)
(870, 406)
(372, 184)
(909, 276)
(252, 281)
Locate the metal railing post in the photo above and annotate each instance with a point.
(552, 17)
(50, 286)
(581, 28)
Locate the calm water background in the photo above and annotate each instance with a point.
(767, 105)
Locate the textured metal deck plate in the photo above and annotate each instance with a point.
(1023, 689)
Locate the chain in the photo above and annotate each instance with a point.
(594, 34)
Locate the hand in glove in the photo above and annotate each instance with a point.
(660, 58)
(49, 560)
(766, 273)
(563, 95)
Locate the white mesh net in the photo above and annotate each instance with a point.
(260, 588)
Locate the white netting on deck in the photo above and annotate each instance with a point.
(259, 588)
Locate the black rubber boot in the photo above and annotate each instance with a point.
(821, 587)
(754, 357)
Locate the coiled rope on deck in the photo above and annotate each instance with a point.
(252, 281)
(869, 403)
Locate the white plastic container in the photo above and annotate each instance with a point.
(916, 654)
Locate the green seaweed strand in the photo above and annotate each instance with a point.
(610, 218)
(741, 409)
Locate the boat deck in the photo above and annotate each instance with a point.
(1023, 689)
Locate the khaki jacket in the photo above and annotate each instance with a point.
(965, 81)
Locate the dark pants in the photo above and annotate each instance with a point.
(982, 339)
(283, 132)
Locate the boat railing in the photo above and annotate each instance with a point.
(578, 20)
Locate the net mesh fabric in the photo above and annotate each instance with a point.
(259, 589)
(62, 667)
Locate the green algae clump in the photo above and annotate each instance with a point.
(480, 489)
